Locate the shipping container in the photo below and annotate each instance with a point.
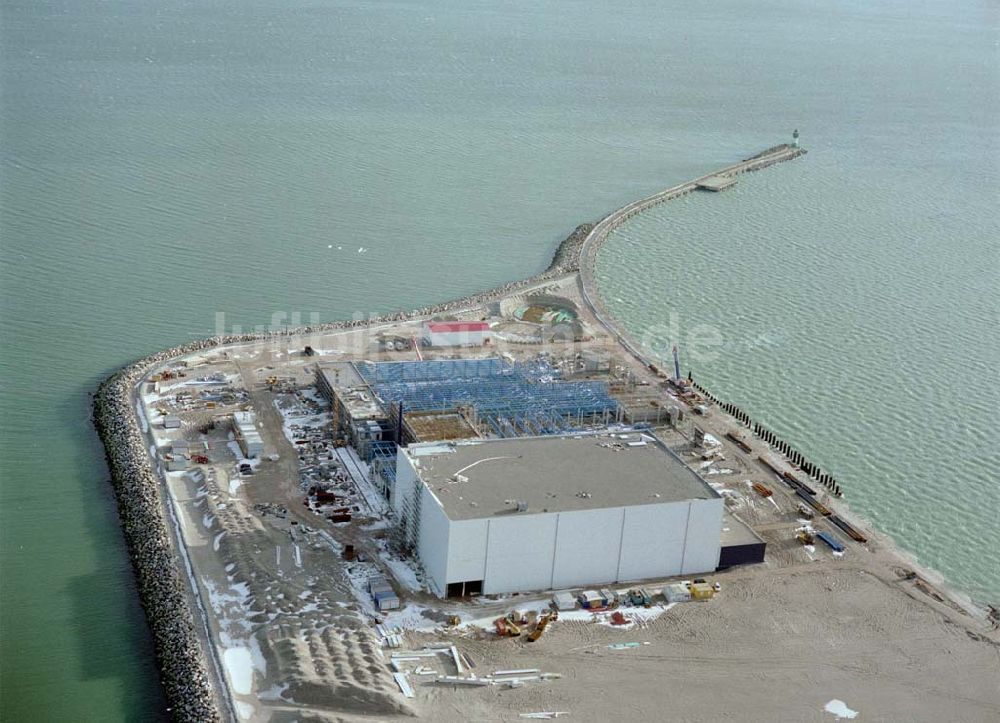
(702, 591)
(387, 603)
(590, 599)
(677, 592)
(564, 601)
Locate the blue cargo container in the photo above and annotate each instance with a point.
(831, 541)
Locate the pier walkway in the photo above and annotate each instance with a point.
(600, 233)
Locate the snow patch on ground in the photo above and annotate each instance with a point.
(241, 653)
(635, 615)
(401, 570)
(839, 708)
(275, 692)
(239, 669)
(141, 417)
(409, 618)
(244, 710)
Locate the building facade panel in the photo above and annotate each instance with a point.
(653, 541)
(519, 552)
(434, 541)
(587, 547)
(406, 480)
(701, 553)
(467, 550)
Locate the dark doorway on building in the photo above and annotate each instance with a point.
(462, 589)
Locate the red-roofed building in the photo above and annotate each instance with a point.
(456, 333)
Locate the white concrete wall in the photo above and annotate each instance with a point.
(456, 338)
(433, 543)
(570, 549)
(587, 544)
(704, 546)
(406, 477)
(467, 550)
(653, 540)
(519, 553)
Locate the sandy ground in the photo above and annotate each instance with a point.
(775, 646)
(295, 638)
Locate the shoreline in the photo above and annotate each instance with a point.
(194, 684)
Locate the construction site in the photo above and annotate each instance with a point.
(373, 529)
(502, 510)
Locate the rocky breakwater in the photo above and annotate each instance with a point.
(162, 592)
(184, 667)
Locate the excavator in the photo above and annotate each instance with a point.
(506, 628)
(543, 622)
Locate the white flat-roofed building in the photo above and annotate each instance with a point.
(455, 333)
(507, 515)
(247, 436)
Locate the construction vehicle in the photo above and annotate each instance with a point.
(543, 622)
(506, 629)
(618, 618)
(806, 538)
(453, 621)
(517, 617)
(638, 597)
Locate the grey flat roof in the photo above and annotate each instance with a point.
(554, 474)
(341, 374)
(348, 384)
(737, 532)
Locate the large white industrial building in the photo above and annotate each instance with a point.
(455, 333)
(538, 513)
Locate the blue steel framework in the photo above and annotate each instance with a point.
(508, 400)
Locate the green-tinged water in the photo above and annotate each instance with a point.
(162, 162)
